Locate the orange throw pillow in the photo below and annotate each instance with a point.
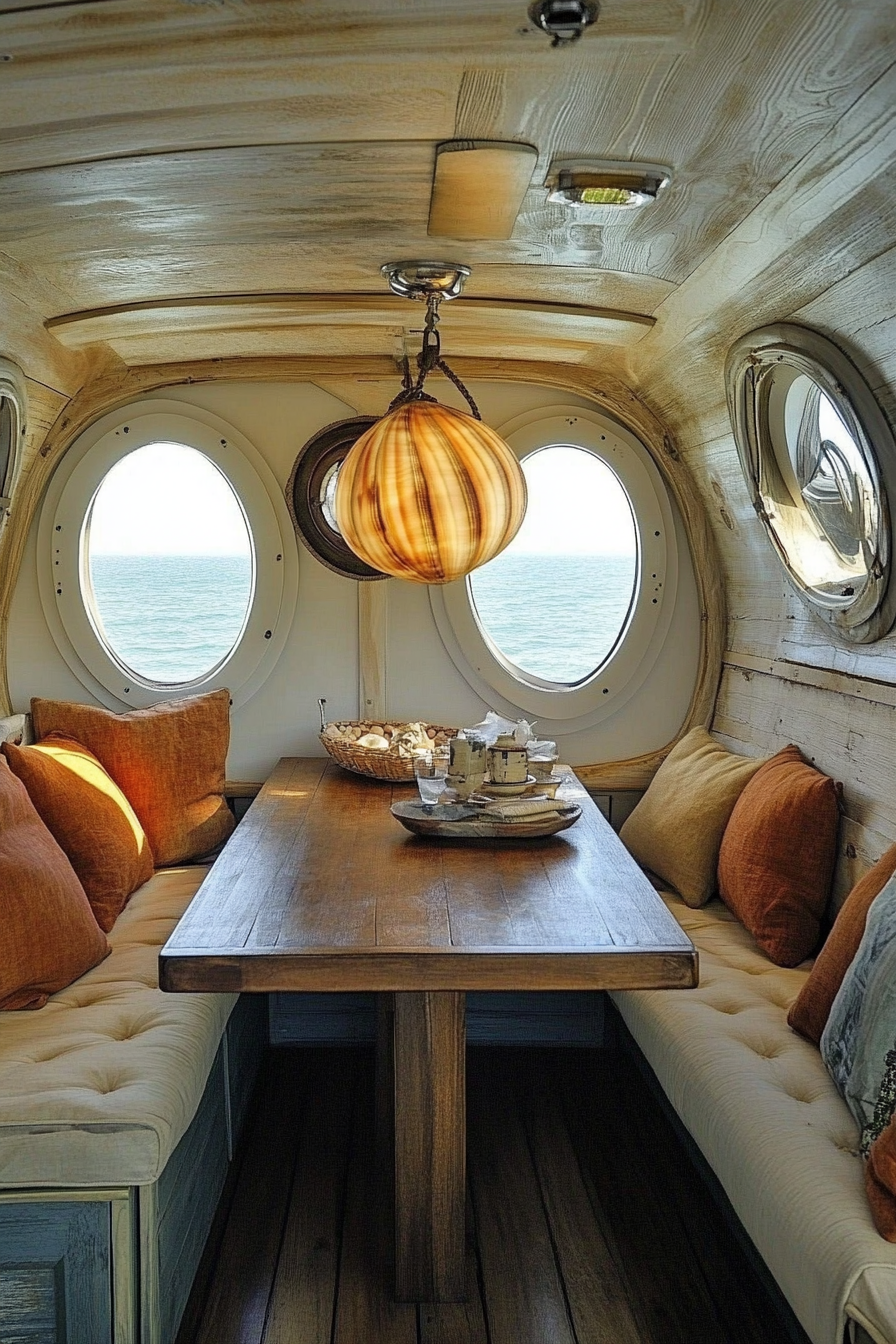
(777, 857)
(48, 935)
(810, 1012)
(168, 761)
(89, 818)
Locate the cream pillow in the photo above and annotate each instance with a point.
(676, 830)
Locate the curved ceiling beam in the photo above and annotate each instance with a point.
(264, 324)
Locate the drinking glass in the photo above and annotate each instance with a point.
(430, 769)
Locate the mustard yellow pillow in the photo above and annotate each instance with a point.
(676, 830)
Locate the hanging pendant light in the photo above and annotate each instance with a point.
(429, 493)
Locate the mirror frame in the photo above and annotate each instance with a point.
(749, 377)
(327, 448)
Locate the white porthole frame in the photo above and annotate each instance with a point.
(559, 708)
(61, 540)
(758, 370)
(12, 391)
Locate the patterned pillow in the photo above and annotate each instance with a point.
(858, 1044)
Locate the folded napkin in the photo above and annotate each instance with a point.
(523, 809)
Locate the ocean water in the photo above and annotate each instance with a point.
(171, 618)
(555, 616)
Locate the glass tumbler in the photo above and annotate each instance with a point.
(430, 770)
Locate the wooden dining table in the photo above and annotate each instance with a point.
(321, 889)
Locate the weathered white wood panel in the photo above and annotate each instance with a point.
(850, 739)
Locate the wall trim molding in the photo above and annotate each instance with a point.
(801, 674)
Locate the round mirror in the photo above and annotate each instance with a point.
(818, 457)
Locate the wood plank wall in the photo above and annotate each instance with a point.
(786, 678)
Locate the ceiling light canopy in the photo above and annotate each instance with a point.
(429, 493)
(605, 185)
(564, 20)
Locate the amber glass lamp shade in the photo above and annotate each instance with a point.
(429, 494)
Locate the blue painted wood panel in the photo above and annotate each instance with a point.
(55, 1281)
(506, 1018)
(188, 1193)
(247, 1039)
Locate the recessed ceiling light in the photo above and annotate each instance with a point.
(606, 186)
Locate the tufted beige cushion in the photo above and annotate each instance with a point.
(759, 1103)
(99, 1086)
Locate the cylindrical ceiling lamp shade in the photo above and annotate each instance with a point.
(429, 494)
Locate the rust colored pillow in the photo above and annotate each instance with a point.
(880, 1181)
(89, 818)
(810, 1012)
(777, 857)
(168, 762)
(48, 935)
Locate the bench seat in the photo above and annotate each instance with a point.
(98, 1087)
(763, 1110)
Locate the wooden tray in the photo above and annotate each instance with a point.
(463, 822)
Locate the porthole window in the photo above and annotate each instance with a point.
(556, 602)
(167, 563)
(816, 453)
(566, 624)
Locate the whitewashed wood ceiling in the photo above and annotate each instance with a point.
(225, 177)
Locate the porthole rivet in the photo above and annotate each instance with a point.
(125, 429)
(267, 634)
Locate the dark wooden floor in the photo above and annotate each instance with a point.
(586, 1224)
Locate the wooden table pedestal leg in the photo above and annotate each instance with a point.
(430, 1146)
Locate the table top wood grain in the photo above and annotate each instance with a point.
(320, 888)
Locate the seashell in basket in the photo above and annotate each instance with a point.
(342, 740)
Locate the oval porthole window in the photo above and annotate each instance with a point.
(567, 623)
(556, 602)
(166, 560)
(167, 564)
(817, 455)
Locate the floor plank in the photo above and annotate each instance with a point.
(303, 1298)
(596, 1288)
(586, 1223)
(236, 1308)
(524, 1297)
(366, 1309)
(670, 1300)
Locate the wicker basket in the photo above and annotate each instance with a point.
(388, 765)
